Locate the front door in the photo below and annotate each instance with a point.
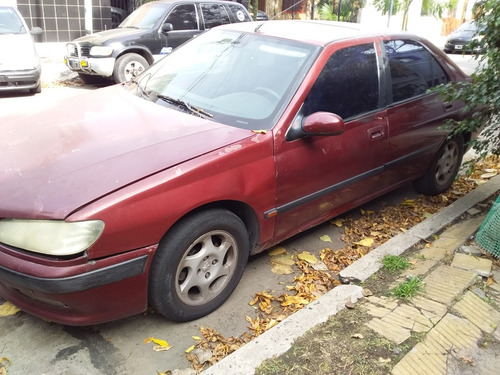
(321, 176)
(185, 24)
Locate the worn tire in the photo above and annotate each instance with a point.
(443, 169)
(198, 265)
(128, 66)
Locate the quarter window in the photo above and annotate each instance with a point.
(348, 84)
(413, 69)
(183, 17)
(214, 15)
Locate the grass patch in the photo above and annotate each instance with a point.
(342, 345)
(395, 263)
(408, 289)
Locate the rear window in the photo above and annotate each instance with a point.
(239, 15)
(214, 15)
(413, 69)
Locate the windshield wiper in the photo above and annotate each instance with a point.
(197, 111)
(144, 93)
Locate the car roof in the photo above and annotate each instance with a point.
(313, 32)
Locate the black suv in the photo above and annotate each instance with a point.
(147, 34)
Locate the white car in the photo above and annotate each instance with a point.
(19, 61)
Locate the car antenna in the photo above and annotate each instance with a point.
(258, 27)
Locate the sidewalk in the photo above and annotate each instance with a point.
(458, 321)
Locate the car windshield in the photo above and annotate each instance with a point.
(468, 26)
(10, 22)
(239, 79)
(144, 17)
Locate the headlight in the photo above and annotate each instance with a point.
(101, 51)
(50, 237)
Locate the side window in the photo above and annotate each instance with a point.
(214, 15)
(183, 17)
(413, 69)
(239, 15)
(348, 84)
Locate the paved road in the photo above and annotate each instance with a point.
(38, 347)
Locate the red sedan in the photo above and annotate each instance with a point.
(156, 192)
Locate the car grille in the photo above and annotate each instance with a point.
(79, 49)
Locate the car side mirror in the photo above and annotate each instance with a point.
(167, 27)
(323, 123)
(36, 30)
(318, 123)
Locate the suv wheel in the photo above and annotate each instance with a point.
(128, 66)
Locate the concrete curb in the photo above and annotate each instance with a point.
(280, 338)
(370, 263)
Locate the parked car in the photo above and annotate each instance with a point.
(147, 34)
(20, 67)
(466, 38)
(155, 192)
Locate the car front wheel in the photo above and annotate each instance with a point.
(443, 169)
(128, 66)
(198, 264)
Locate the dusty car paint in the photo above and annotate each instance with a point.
(142, 168)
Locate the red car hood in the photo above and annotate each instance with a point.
(53, 162)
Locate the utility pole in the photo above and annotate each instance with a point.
(390, 12)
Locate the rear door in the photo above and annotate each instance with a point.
(415, 114)
(214, 14)
(319, 176)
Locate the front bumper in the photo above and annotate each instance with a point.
(459, 46)
(20, 79)
(77, 291)
(102, 66)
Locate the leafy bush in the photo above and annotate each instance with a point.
(483, 95)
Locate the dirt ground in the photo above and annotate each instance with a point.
(343, 344)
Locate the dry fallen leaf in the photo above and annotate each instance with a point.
(338, 222)
(277, 251)
(325, 238)
(284, 259)
(8, 308)
(4, 362)
(161, 345)
(366, 242)
(308, 257)
(281, 269)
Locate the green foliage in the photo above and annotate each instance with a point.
(328, 9)
(408, 289)
(432, 7)
(483, 95)
(395, 263)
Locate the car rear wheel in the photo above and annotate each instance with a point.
(443, 169)
(128, 66)
(198, 265)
